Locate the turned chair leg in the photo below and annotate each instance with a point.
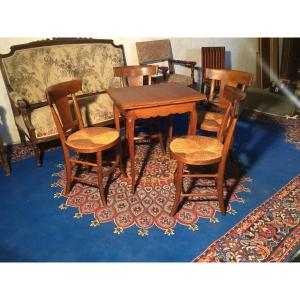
(100, 178)
(178, 186)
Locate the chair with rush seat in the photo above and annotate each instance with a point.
(228, 80)
(202, 152)
(76, 138)
(135, 76)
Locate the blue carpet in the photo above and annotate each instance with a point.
(34, 229)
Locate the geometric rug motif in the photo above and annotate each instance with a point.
(271, 233)
(152, 202)
(19, 152)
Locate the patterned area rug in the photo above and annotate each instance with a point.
(151, 204)
(19, 152)
(268, 234)
(291, 125)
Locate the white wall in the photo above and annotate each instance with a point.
(242, 53)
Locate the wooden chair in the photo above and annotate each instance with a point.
(135, 76)
(75, 137)
(160, 51)
(203, 151)
(227, 79)
(212, 58)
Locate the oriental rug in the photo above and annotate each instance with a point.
(270, 233)
(152, 202)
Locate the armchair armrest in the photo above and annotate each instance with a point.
(164, 71)
(15, 97)
(184, 63)
(23, 107)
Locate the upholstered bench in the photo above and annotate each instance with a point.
(29, 69)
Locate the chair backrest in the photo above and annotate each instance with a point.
(58, 96)
(226, 121)
(228, 137)
(154, 51)
(226, 131)
(134, 75)
(212, 57)
(233, 78)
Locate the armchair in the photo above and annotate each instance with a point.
(160, 51)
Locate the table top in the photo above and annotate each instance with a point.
(153, 95)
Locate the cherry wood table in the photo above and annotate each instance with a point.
(143, 102)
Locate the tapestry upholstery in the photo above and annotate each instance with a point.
(152, 51)
(30, 71)
(180, 78)
(95, 109)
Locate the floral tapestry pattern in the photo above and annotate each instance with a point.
(30, 71)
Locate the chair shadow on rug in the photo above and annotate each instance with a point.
(150, 148)
(263, 136)
(232, 178)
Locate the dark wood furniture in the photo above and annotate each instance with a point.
(3, 159)
(75, 137)
(203, 151)
(267, 61)
(213, 58)
(227, 79)
(160, 51)
(148, 101)
(28, 69)
(135, 76)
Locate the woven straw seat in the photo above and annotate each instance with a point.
(196, 150)
(193, 150)
(212, 121)
(83, 140)
(224, 79)
(93, 138)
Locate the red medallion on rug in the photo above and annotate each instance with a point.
(271, 233)
(152, 202)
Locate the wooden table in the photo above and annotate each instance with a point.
(143, 102)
